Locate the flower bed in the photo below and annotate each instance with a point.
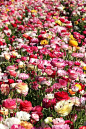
(43, 64)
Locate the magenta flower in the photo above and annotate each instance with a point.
(15, 126)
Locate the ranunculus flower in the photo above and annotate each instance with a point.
(2, 126)
(48, 103)
(17, 126)
(63, 126)
(61, 95)
(25, 106)
(58, 121)
(73, 43)
(63, 107)
(9, 103)
(37, 108)
(23, 76)
(11, 121)
(22, 88)
(13, 73)
(26, 125)
(23, 115)
(82, 127)
(10, 81)
(7, 56)
(35, 116)
(5, 89)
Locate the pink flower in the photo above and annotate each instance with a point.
(35, 116)
(23, 76)
(16, 126)
(63, 82)
(11, 67)
(78, 55)
(58, 121)
(72, 74)
(63, 126)
(9, 103)
(13, 73)
(49, 71)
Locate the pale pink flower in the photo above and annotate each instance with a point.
(35, 116)
(58, 121)
(23, 76)
(63, 126)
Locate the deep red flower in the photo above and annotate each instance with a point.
(10, 81)
(61, 95)
(26, 106)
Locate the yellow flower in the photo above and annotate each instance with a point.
(64, 107)
(7, 9)
(26, 125)
(71, 37)
(44, 42)
(33, 11)
(79, 86)
(58, 22)
(84, 68)
(54, 17)
(73, 43)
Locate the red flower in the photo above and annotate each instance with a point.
(82, 127)
(14, 25)
(26, 106)
(37, 108)
(10, 81)
(48, 103)
(61, 95)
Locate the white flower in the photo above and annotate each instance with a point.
(3, 126)
(49, 96)
(23, 115)
(10, 121)
(82, 78)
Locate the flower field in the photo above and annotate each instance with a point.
(43, 64)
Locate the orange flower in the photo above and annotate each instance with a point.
(73, 43)
(83, 19)
(26, 124)
(71, 92)
(84, 68)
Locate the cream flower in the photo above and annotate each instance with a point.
(23, 115)
(63, 107)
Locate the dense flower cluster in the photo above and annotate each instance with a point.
(42, 64)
